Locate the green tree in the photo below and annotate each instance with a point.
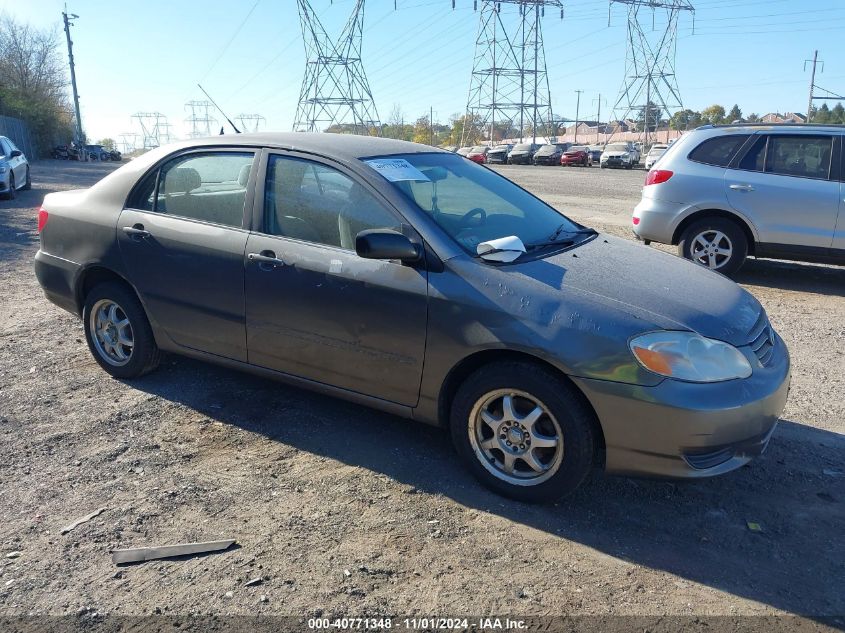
(821, 115)
(33, 82)
(422, 130)
(715, 114)
(734, 115)
(837, 115)
(649, 115)
(753, 118)
(685, 120)
(107, 143)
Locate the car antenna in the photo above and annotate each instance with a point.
(237, 131)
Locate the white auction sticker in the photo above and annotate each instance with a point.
(396, 169)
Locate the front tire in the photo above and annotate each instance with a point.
(27, 185)
(12, 193)
(117, 331)
(717, 243)
(523, 432)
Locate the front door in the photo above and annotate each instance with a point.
(784, 185)
(316, 310)
(182, 239)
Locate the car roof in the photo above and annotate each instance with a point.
(344, 146)
(808, 128)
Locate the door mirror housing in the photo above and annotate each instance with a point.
(15, 153)
(386, 244)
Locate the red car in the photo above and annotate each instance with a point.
(478, 154)
(577, 156)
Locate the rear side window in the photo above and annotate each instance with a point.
(799, 155)
(202, 186)
(718, 151)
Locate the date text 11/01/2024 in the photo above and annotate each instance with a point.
(418, 624)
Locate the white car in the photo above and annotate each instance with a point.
(654, 153)
(14, 169)
(619, 155)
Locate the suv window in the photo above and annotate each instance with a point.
(799, 155)
(202, 186)
(310, 201)
(718, 151)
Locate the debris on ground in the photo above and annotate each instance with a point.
(140, 554)
(253, 582)
(754, 527)
(79, 522)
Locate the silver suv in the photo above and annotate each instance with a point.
(721, 193)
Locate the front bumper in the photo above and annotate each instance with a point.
(616, 162)
(523, 159)
(547, 160)
(497, 159)
(687, 430)
(566, 160)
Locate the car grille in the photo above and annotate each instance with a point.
(762, 339)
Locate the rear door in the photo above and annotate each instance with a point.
(839, 233)
(182, 238)
(785, 185)
(320, 312)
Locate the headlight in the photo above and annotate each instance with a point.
(2, 169)
(625, 155)
(690, 357)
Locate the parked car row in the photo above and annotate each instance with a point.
(624, 155)
(94, 152)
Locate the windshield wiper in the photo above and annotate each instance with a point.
(553, 241)
(562, 229)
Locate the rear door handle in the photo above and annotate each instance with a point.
(267, 260)
(736, 187)
(136, 231)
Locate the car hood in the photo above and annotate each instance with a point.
(520, 151)
(616, 154)
(662, 290)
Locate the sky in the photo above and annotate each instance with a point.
(148, 56)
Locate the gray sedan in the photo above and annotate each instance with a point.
(411, 280)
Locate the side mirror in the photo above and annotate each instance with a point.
(386, 244)
(15, 153)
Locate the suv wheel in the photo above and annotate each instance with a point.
(11, 193)
(117, 331)
(717, 243)
(27, 185)
(523, 432)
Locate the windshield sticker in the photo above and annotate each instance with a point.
(396, 169)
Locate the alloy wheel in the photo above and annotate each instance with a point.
(711, 248)
(111, 332)
(515, 437)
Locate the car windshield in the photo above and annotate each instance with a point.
(478, 149)
(501, 148)
(548, 149)
(616, 147)
(658, 149)
(522, 147)
(471, 203)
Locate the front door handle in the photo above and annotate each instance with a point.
(736, 187)
(267, 260)
(136, 232)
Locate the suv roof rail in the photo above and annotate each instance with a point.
(709, 126)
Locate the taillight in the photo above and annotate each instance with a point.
(656, 176)
(42, 218)
(635, 220)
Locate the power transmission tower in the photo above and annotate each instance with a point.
(250, 122)
(650, 81)
(67, 17)
(155, 130)
(334, 91)
(128, 142)
(509, 83)
(200, 120)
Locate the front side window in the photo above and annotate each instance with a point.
(471, 203)
(718, 151)
(310, 201)
(799, 155)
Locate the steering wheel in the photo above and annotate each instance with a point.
(481, 213)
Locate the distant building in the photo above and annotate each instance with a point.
(788, 117)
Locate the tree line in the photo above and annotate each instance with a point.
(33, 83)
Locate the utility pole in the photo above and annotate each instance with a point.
(67, 20)
(812, 83)
(577, 112)
(598, 120)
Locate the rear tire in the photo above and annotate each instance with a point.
(705, 242)
(492, 436)
(118, 332)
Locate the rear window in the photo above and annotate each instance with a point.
(718, 151)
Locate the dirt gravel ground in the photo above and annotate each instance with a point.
(341, 510)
